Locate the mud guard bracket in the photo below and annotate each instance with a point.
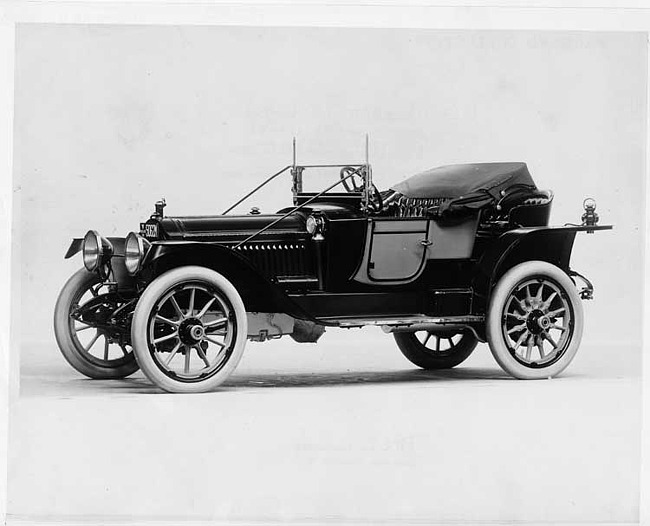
(587, 290)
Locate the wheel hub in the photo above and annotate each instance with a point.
(197, 332)
(191, 331)
(537, 322)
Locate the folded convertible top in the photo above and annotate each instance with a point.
(467, 187)
(457, 180)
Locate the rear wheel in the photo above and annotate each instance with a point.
(189, 330)
(535, 320)
(436, 350)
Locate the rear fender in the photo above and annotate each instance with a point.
(258, 292)
(550, 244)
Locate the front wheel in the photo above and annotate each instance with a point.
(189, 330)
(535, 320)
(436, 350)
(91, 329)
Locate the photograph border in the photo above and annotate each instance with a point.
(443, 14)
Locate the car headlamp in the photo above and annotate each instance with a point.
(96, 250)
(135, 249)
(311, 224)
(315, 225)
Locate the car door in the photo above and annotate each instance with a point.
(395, 250)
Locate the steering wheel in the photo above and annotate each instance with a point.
(356, 183)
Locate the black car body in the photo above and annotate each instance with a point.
(444, 259)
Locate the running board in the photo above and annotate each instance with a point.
(405, 323)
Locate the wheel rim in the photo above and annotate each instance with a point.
(439, 344)
(95, 345)
(191, 332)
(538, 322)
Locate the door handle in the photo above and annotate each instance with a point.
(426, 242)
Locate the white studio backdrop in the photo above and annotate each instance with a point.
(109, 119)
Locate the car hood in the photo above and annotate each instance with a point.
(207, 227)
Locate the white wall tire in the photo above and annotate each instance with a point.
(95, 353)
(189, 330)
(534, 321)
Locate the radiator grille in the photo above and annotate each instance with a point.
(280, 260)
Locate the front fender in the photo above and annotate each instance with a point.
(258, 292)
(75, 247)
(77, 243)
(119, 274)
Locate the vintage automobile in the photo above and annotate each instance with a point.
(443, 260)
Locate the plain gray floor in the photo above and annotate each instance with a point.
(344, 430)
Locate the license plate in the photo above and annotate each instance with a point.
(149, 230)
